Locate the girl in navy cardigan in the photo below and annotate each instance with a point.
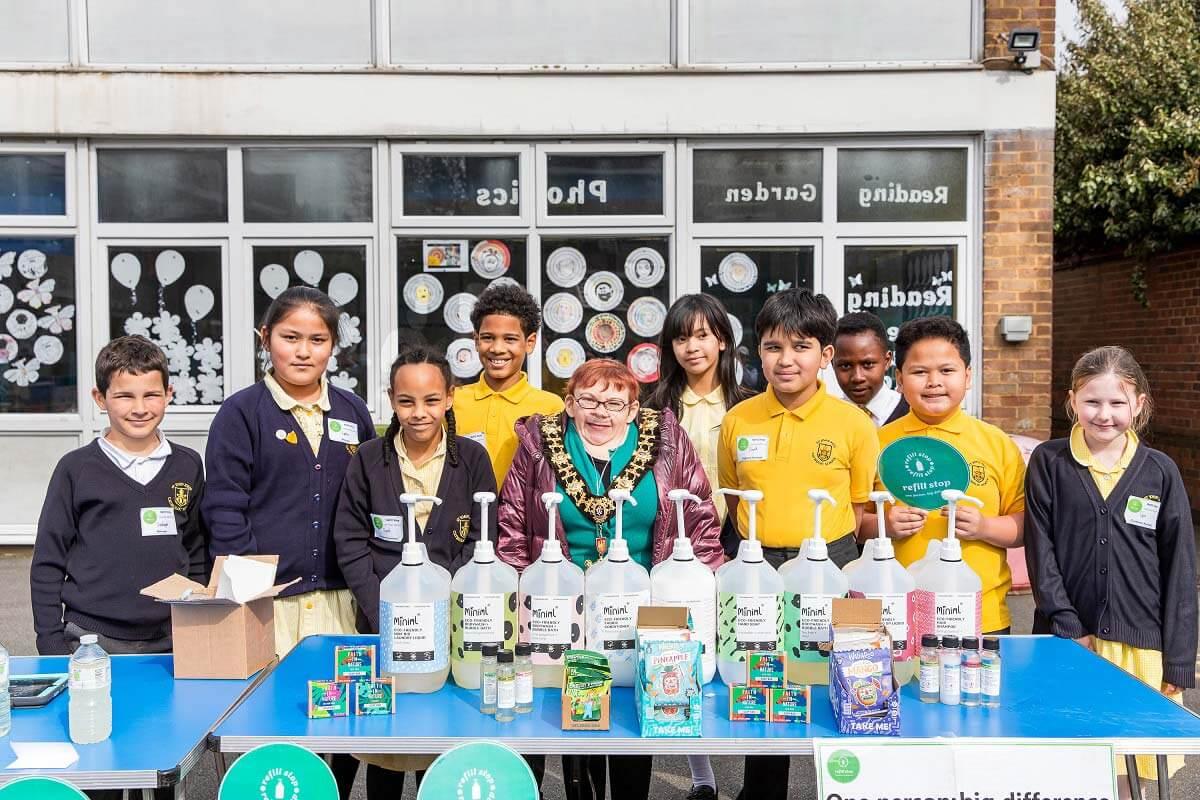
(419, 454)
(1109, 537)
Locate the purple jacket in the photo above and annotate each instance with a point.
(523, 523)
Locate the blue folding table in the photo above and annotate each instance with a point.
(160, 725)
(1054, 692)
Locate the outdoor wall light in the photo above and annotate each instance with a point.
(1022, 42)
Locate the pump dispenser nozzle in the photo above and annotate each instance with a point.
(753, 497)
(552, 547)
(951, 547)
(485, 551)
(884, 550)
(618, 549)
(818, 550)
(683, 545)
(412, 554)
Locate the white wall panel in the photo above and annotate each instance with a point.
(33, 31)
(25, 469)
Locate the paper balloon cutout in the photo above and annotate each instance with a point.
(127, 270)
(273, 279)
(168, 266)
(343, 288)
(309, 266)
(32, 264)
(198, 301)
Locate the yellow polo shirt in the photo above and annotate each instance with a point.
(1105, 479)
(310, 417)
(423, 479)
(701, 421)
(827, 443)
(997, 477)
(490, 417)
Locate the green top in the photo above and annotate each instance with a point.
(638, 528)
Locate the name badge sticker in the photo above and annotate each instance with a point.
(390, 529)
(752, 448)
(158, 521)
(1143, 512)
(342, 431)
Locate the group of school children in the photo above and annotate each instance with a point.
(294, 469)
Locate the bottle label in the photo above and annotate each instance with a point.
(551, 625)
(87, 678)
(990, 679)
(929, 677)
(947, 613)
(4, 671)
(949, 680)
(489, 689)
(479, 619)
(807, 620)
(970, 680)
(506, 695)
(895, 619)
(612, 620)
(524, 683)
(415, 636)
(750, 622)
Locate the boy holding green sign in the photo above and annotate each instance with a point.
(933, 368)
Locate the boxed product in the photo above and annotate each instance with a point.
(767, 669)
(668, 685)
(373, 697)
(789, 704)
(748, 704)
(354, 662)
(864, 695)
(328, 699)
(225, 629)
(586, 692)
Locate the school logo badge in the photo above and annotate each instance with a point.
(351, 449)
(978, 473)
(464, 527)
(824, 452)
(181, 495)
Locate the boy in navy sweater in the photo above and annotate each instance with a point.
(120, 514)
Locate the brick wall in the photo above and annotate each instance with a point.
(1018, 202)
(1093, 306)
(1001, 16)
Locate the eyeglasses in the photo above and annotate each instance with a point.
(589, 403)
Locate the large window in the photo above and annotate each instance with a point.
(159, 186)
(33, 183)
(297, 185)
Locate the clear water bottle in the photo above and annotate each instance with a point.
(5, 699)
(90, 683)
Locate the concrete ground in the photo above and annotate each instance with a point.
(671, 776)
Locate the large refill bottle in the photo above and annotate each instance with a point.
(483, 604)
(949, 594)
(810, 583)
(878, 576)
(749, 601)
(550, 607)
(414, 615)
(615, 587)
(681, 580)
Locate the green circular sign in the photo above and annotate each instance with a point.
(150, 516)
(39, 788)
(843, 766)
(377, 521)
(279, 772)
(1134, 505)
(479, 771)
(917, 469)
(335, 426)
(743, 443)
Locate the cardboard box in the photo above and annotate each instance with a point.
(373, 697)
(668, 686)
(586, 691)
(664, 623)
(766, 669)
(862, 690)
(328, 699)
(790, 704)
(214, 635)
(748, 704)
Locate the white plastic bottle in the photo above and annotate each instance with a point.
(89, 707)
(949, 593)
(483, 604)
(550, 607)
(810, 583)
(879, 576)
(749, 601)
(414, 615)
(614, 588)
(5, 697)
(682, 580)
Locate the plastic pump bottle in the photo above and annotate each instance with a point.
(749, 600)
(483, 604)
(810, 583)
(948, 591)
(615, 587)
(682, 580)
(551, 604)
(879, 576)
(414, 615)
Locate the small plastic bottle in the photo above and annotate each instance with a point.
(487, 683)
(970, 671)
(929, 668)
(506, 689)
(523, 667)
(5, 699)
(89, 700)
(990, 669)
(950, 679)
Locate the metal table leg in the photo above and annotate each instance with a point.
(1131, 774)
(1164, 780)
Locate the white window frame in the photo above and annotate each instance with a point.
(525, 178)
(70, 184)
(665, 149)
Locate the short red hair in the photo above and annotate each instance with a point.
(604, 373)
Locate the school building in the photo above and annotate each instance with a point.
(168, 168)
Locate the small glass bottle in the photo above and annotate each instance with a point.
(487, 679)
(506, 689)
(523, 666)
(970, 671)
(929, 668)
(990, 668)
(950, 678)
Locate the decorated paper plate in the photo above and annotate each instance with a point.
(603, 290)
(643, 362)
(8, 348)
(464, 361)
(505, 281)
(605, 333)
(563, 357)
(645, 267)
(22, 324)
(490, 258)
(562, 313)
(737, 272)
(736, 324)
(423, 293)
(6, 299)
(646, 315)
(457, 312)
(566, 267)
(48, 349)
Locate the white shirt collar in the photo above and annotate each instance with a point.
(126, 460)
(881, 406)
